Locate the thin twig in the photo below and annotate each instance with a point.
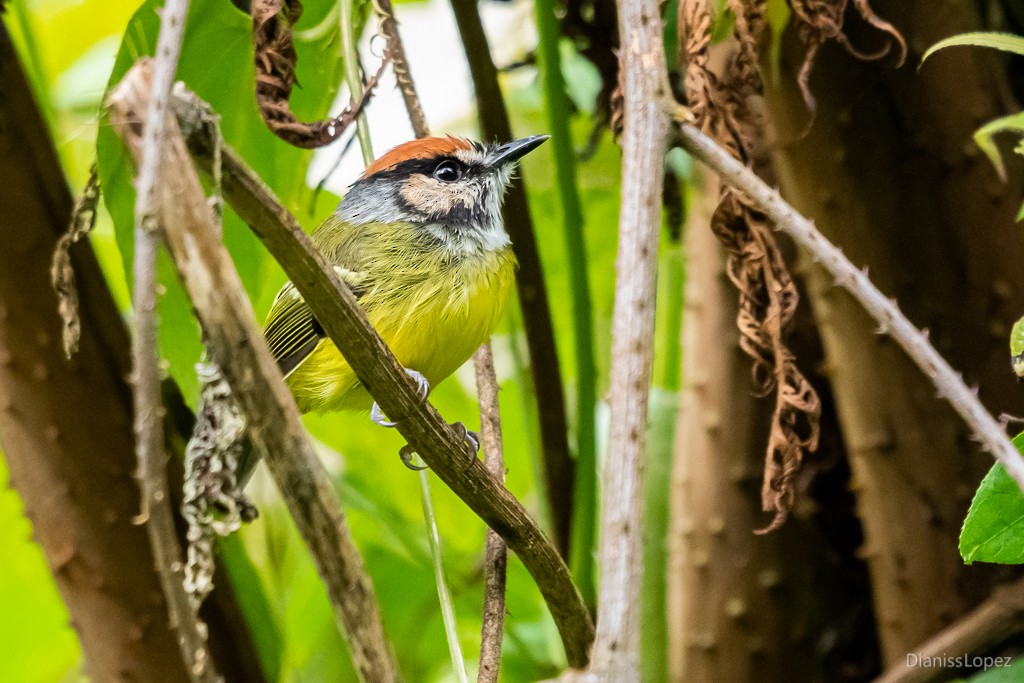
(559, 467)
(156, 512)
(234, 342)
(495, 552)
(644, 78)
(984, 627)
(395, 53)
(437, 443)
(948, 383)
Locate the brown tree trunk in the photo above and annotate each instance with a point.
(888, 171)
(65, 425)
(741, 605)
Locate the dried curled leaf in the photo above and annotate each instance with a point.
(62, 273)
(275, 77)
(819, 21)
(767, 295)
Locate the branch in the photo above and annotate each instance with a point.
(395, 53)
(559, 467)
(948, 383)
(234, 342)
(989, 624)
(438, 444)
(644, 78)
(156, 510)
(495, 552)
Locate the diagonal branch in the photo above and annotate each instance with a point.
(437, 443)
(234, 342)
(949, 384)
(156, 512)
(986, 626)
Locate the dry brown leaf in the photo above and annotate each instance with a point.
(819, 21)
(275, 77)
(767, 294)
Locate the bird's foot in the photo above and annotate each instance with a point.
(377, 415)
(471, 439)
(406, 453)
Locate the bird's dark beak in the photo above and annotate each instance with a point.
(515, 150)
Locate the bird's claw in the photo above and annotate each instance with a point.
(406, 453)
(377, 415)
(471, 439)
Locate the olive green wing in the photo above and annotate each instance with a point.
(292, 331)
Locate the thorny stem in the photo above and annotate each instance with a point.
(156, 512)
(62, 274)
(559, 467)
(396, 55)
(948, 383)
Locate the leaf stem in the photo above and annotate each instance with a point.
(444, 593)
(353, 77)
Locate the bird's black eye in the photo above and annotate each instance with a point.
(448, 171)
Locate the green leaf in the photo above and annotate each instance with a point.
(994, 528)
(217, 63)
(1007, 42)
(661, 431)
(983, 137)
(1008, 673)
(38, 643)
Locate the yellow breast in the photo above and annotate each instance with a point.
(433, 325)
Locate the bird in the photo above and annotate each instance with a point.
(420, 240)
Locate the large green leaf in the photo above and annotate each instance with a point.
(994, 528)
(216, 62)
